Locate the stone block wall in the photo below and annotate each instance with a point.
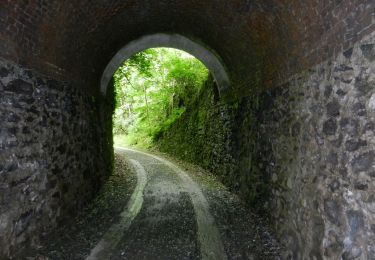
(303, 152)
(260, 40)
(51, 154)
(307, 143)
(319, 155)
(203, 134)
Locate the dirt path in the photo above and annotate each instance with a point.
(166, 176)
(174, 210)
(105, 247)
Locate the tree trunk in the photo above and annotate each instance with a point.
(145, 96)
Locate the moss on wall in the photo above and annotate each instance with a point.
(107, 105)
(220, 136)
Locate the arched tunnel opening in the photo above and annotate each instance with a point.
(292, 133)
(186, 80)
(153, 89)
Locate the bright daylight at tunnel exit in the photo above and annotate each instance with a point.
(187, 129)
(153, 89)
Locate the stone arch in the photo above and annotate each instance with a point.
(206, 56)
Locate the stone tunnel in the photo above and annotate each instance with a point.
(302, 73)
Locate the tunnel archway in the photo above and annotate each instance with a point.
(210, 59)
(301, 111)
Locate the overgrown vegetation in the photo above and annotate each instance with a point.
(153, 89)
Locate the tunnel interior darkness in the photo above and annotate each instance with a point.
(298, 81)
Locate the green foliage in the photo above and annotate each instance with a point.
(153, 88)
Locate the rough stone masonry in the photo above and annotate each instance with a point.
(49, 161)
(320, 130)
(311, 141)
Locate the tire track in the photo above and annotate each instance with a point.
(211, 246)
(103, 250)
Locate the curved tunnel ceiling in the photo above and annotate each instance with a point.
(77, 40)
(207, 57)
(258, 41)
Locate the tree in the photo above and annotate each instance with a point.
(152, 90)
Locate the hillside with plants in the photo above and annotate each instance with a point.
(153, 89)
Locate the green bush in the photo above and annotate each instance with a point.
(153, 88)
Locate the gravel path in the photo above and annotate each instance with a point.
(163, 209)
(168, 181)
(105, 247)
